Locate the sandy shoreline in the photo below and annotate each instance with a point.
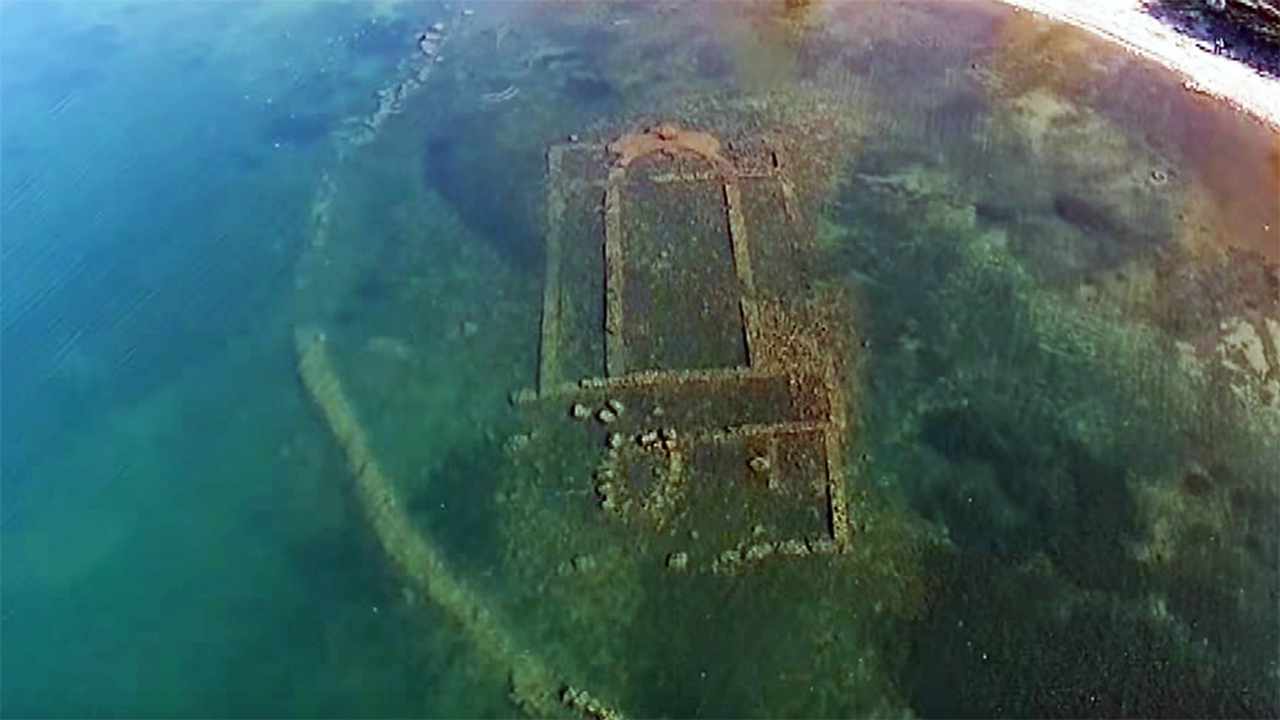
(1125, 22)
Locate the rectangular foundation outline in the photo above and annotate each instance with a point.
(550, 383)
(549, 345)
(615, 343)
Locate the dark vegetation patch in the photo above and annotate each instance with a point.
(497, 195)
(1019, 491)
(1041, 610)
(455, 504)
(1006, 642)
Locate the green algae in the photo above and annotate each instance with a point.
(1024, 420)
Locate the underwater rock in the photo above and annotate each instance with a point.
(678, 561)
(518, 442)
(583, 563)
(1196, 482)
(615, 440)
(581, 702)
(522, 396)
(615, 405)
(793, 547)
(606, 416)
(759, 465)
(579, 411)
(759, 551)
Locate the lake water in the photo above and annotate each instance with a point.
(275, 317)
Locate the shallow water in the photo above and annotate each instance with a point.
(1058, 339)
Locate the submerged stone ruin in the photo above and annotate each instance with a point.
(675, 288)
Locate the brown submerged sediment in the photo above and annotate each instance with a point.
(1126, 23)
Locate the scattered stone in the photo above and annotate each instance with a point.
(584, 705)
(757, 530)
(658, 411)
(604, 489)
(579, 411)
(583, 563)
(822, 546)
(606, 416)
(615, 405)
(573, 137)
(648, 438)
(729, 559)
(615, 440)
(669, 433)
(469, 329)
(793, 547)
(522, 396)
(1196, 482)
(678, 561)
(517, 442)
(759, 464)
(437, 27)
(1159, 177)
(468, 12)
(693, 535)
(759, 552)
(669, 445)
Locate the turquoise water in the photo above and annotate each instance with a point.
(165, 551)
(1063, 439)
